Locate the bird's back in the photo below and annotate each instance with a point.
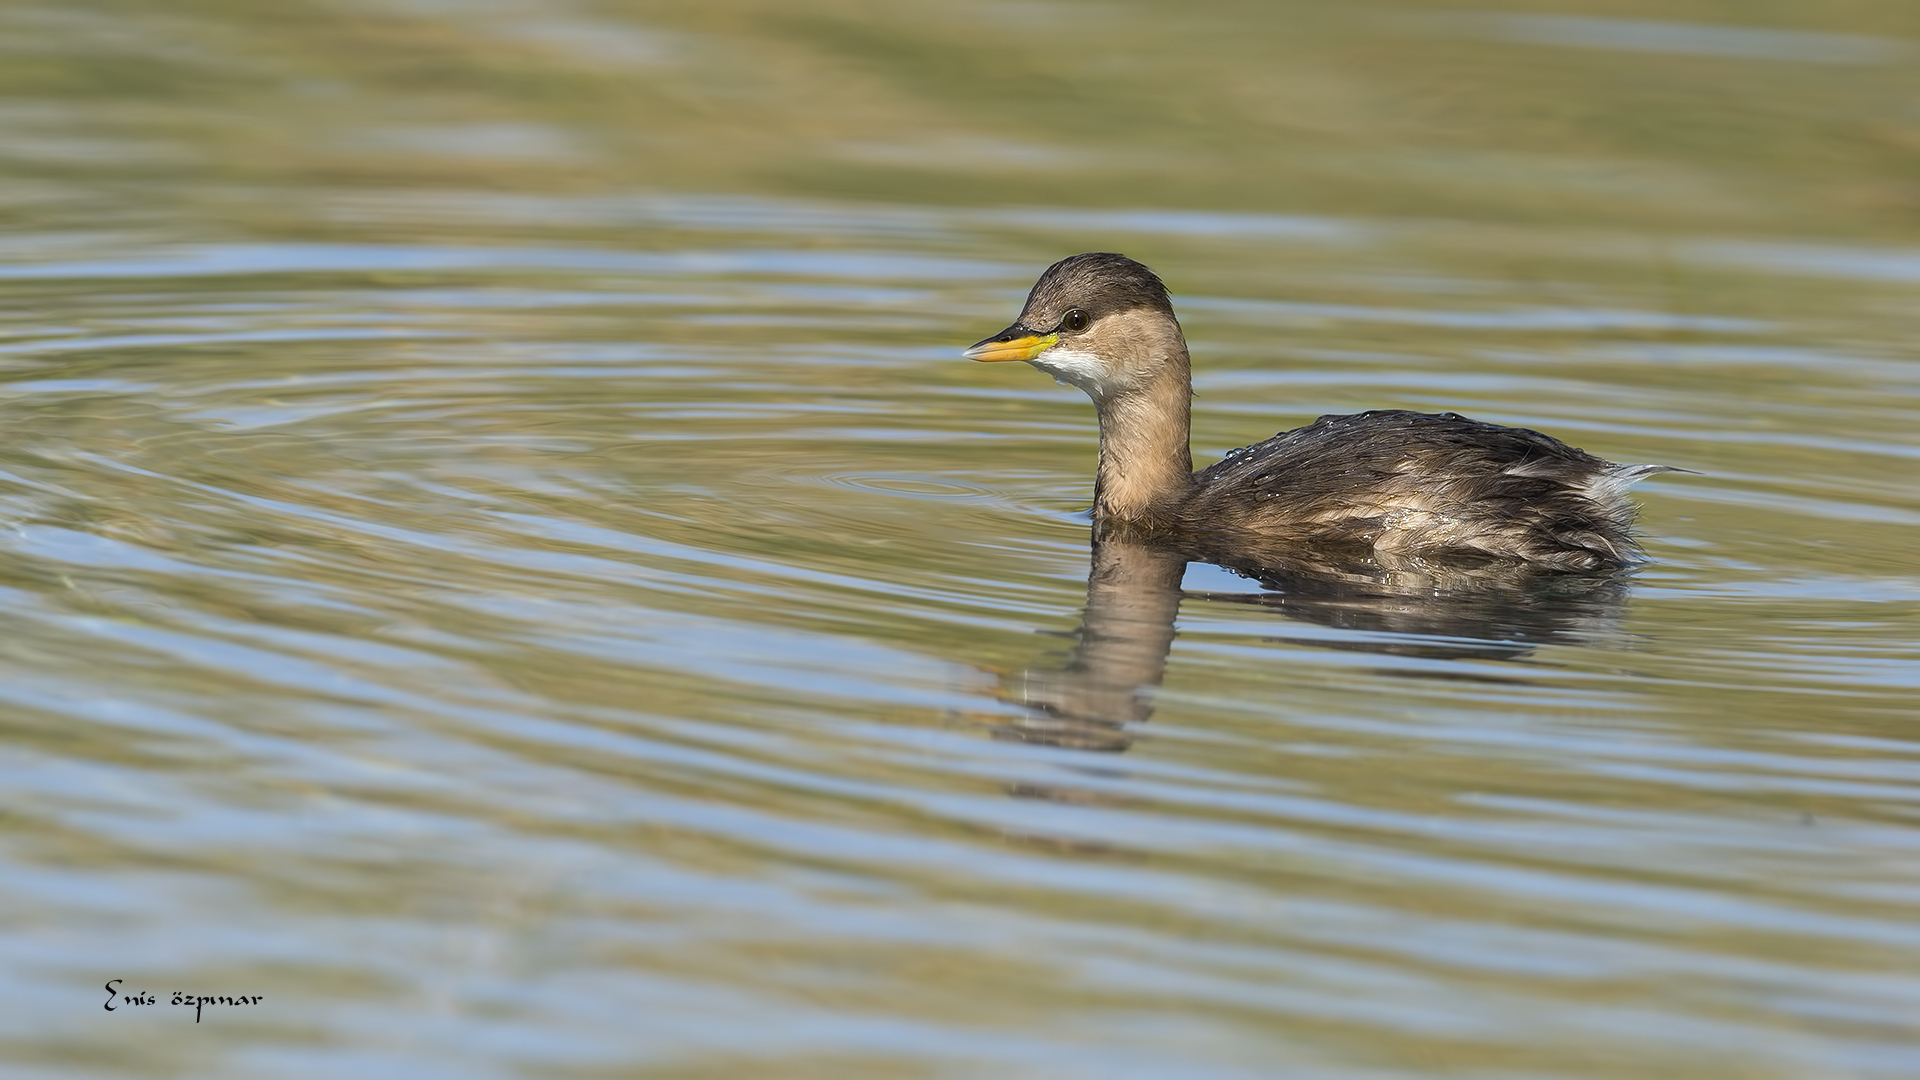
(1418, 483)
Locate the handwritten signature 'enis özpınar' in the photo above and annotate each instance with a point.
(180, 998)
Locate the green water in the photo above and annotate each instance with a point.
(502, 559)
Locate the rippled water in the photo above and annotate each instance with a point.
(503, 560)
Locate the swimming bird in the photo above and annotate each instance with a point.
(1394, 482)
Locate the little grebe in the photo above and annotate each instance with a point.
(1401, 483)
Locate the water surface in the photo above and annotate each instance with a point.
(503, 559)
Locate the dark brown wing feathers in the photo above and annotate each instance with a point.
(1419, 482)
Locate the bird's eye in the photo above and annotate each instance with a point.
(1074, 320)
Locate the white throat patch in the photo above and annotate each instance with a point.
(1074, 367)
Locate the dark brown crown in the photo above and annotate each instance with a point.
(1098, 283)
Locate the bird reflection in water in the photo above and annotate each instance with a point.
(1493, 610)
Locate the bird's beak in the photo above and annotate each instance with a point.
(1016, 342)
